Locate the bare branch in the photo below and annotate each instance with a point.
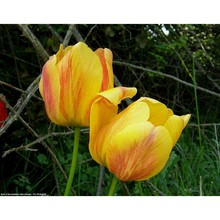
(16, 115)
(149, 184)
(20, 105)
(22, 102)
(167, 76)
(72, 31)
(101, 179)
(126, 188)
(17, 89)
(55, 34)
(36, 43)
(203, 125)
(93, 27)
(40, 139)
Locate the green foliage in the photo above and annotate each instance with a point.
(188, 52)
(42, 159)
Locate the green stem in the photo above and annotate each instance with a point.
(74, 158)
(113, 186)
(197, 105)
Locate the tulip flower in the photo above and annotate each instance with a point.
(70, 81)
(3, 112)
(136, 143)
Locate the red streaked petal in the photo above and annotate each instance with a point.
(138, 152)
(105, 56)
(104, 108)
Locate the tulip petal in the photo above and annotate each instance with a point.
(175, 124)
(105, 56)
(138, 152)
(158, 111)
(116, 95)
(49, 87)
(137, 112)
(70, 81)
(186, 119)
(103, 109)
(79, 87)
(62, 52)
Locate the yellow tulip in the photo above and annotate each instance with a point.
(70, 81)
(136, 143)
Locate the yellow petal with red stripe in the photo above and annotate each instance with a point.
(104, 108)
(70, 81)
(49, 87)
(138, 152)
(136, 143)
(105, 56)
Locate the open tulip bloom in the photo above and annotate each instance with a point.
(136, 143)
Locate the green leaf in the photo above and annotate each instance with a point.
(42, 159)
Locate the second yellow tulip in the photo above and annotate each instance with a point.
(136, 143)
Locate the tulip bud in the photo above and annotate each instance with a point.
(70, 81)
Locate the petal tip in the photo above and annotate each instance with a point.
(186, 119)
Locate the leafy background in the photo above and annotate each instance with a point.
(176, 64)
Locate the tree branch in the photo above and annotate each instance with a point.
(167, 76)
(40, 139)
(35, 42)
(17, 89)
(20, 105)
(149, 184)
(72, 31)
(36, 135)
(55, 34)
(101, 179)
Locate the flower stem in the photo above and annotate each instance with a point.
(74, 158)
(113, 186)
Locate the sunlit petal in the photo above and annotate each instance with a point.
(158, 111)
(175, 124)
(105, 56)
(138, 152)
(136, 143)
(104, 108)
(49, 87)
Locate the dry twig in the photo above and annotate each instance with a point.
(167, 76)
(17, 89)
(21, 104)
(40, 139)
(55, 34)
(149, 184)
(36, 135)
(72, 31)
(35, 42)
(101, 180)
